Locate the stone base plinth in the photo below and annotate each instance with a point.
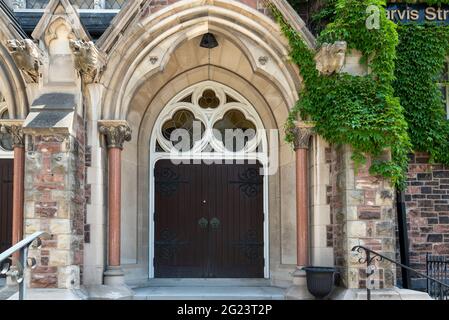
(114, 276)
(104, 292)
(298, 292)
(299, 277)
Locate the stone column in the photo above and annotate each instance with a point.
(301, 144)
(363, 214)
(116, 133)
(15, 129)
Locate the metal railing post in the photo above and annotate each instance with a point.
(370, 255)
(23, 261)
(368, 274)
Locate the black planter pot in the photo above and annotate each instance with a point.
(320, 281)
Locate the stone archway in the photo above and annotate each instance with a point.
(151, 68)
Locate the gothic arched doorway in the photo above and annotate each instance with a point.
(209, 199)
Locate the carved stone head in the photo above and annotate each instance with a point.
(331, 57)
(26, 56)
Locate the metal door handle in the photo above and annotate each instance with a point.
(215, 223)
(203, 223)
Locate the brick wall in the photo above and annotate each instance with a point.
(427, 203)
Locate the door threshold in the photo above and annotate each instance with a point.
(201, 282)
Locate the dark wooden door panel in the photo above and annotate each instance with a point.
(6, 188)
(208, 221)
(180, 241)
(238, 239)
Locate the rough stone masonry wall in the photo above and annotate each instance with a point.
(54, 202)
(363, 214)
(427, 204)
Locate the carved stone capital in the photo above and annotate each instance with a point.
(15, 129)
(116, 132)
(88, 60)
(302, 136)
(26, 55)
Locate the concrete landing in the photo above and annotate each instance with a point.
(209, 293)
(49, 295)
(384, 294)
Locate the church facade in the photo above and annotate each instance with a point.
(88, 152)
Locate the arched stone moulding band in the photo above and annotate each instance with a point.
(165, 34)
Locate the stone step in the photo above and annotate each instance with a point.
(209, 293)
(201, 283)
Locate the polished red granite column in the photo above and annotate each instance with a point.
(301, 143)
(116, 133)
(15, 129)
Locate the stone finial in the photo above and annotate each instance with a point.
(331, 57)
(116, 132)
(26, 56)
(87, 59)
(302, 136)
(15, 129)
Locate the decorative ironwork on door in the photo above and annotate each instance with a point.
(168, 244)
(251, 246)
(167, 181)
(250, 182)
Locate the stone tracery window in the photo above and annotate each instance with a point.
(183, 119)
(216, 121)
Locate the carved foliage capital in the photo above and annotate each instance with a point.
(116, 133)
(15, 129)
(302, 137)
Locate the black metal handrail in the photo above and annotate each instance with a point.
(16, 272)
(371, 256)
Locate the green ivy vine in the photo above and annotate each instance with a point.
(361, 111)
(420, 58)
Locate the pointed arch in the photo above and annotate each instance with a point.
(12, 84)
(156, 36)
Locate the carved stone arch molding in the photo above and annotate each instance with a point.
(12, 86)
(138, 55)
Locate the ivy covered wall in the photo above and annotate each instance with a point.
(398, 106)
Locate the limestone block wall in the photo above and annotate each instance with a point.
(54, 202)
(322, 253)
(427, 205)
(363, 214)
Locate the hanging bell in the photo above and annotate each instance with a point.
(209, 41)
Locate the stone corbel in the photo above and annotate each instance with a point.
(27, 57)
(116, 132)
(302, 133)
(15, 129)
(331, 57)
(88, 60)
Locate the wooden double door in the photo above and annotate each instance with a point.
(6, 179)
(209, 221)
